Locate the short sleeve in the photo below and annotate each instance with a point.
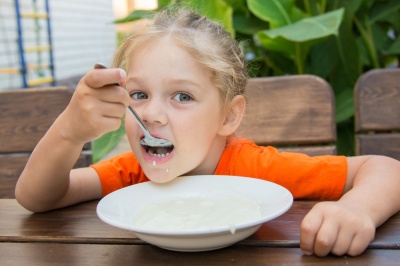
(306, 177)
(118, 172)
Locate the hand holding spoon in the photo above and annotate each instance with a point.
(148, 139)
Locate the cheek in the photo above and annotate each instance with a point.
(202, 125)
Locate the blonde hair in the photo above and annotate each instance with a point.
(206, 40)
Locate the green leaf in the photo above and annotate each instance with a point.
(295, 40)
(164, 3)
(324, 57)
(363, 53)
(280, 64)
(339, 81)
(344, 105)
(393, 20)
(217, 10)
(309, 28)
(136, 15)
(238, 5)
(102, 145)
(297, 14)
(276, 12)
(380, 37)
(248, 24)
(383, 9)
(394, 49)
(279, 44)
(351, 7)
(350, 62)
(345, 138)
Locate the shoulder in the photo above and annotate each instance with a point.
(241, 153)
(247, 157)
(244, 147)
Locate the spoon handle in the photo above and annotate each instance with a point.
(139, 121)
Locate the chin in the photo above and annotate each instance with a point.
(161, 180)
(160, 176)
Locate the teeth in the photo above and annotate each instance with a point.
(159, 151)
(159, 155)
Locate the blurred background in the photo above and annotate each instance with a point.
(50, 42)
(54, 43)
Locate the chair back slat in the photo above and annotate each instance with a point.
(377, 113)
(26, 115)
(294, 112)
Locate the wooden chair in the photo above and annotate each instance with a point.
(25, 116)
(293, 113)
(377, 113)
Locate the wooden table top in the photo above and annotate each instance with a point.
(75, 234)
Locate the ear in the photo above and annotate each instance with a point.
(234, 115)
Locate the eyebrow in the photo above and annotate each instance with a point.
(173, 82)
(135, 79)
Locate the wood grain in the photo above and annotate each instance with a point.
(379, 144)
(76, 236)
(80, 224)
(26, 115)
(106, 254)
(377, 113)
(11, 167)
(290, 111)
(377, 101)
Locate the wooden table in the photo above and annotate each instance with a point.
(76, 236)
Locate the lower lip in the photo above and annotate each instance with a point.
(155, 160)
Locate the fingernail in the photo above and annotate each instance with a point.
(306, 252)
(122, 73)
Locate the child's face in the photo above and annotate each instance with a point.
(177, 101)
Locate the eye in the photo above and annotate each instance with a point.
(182, 97)
(139, 95)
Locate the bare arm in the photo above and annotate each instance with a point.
(371, 196)
(47, 181)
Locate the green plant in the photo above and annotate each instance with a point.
(337, 40)
(103, 145)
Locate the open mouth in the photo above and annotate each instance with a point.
(159, 151)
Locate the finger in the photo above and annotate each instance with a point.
(103, 126)
(113, 110)
(113, 94)
(308, 231)
(326, 238)
(343, 241)
(99, 78)
(362, 239)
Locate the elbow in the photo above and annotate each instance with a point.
(25, 201)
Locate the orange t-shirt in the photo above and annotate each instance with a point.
(318, 177)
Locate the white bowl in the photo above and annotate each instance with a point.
(122, 206)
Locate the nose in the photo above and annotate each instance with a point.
(154, 112)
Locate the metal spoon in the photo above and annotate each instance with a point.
(148, 139)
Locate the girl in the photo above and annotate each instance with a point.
(185, 76)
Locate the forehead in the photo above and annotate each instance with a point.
(165, 57)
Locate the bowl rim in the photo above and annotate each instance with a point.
(288, 201)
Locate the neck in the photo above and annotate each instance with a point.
(210, 163)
